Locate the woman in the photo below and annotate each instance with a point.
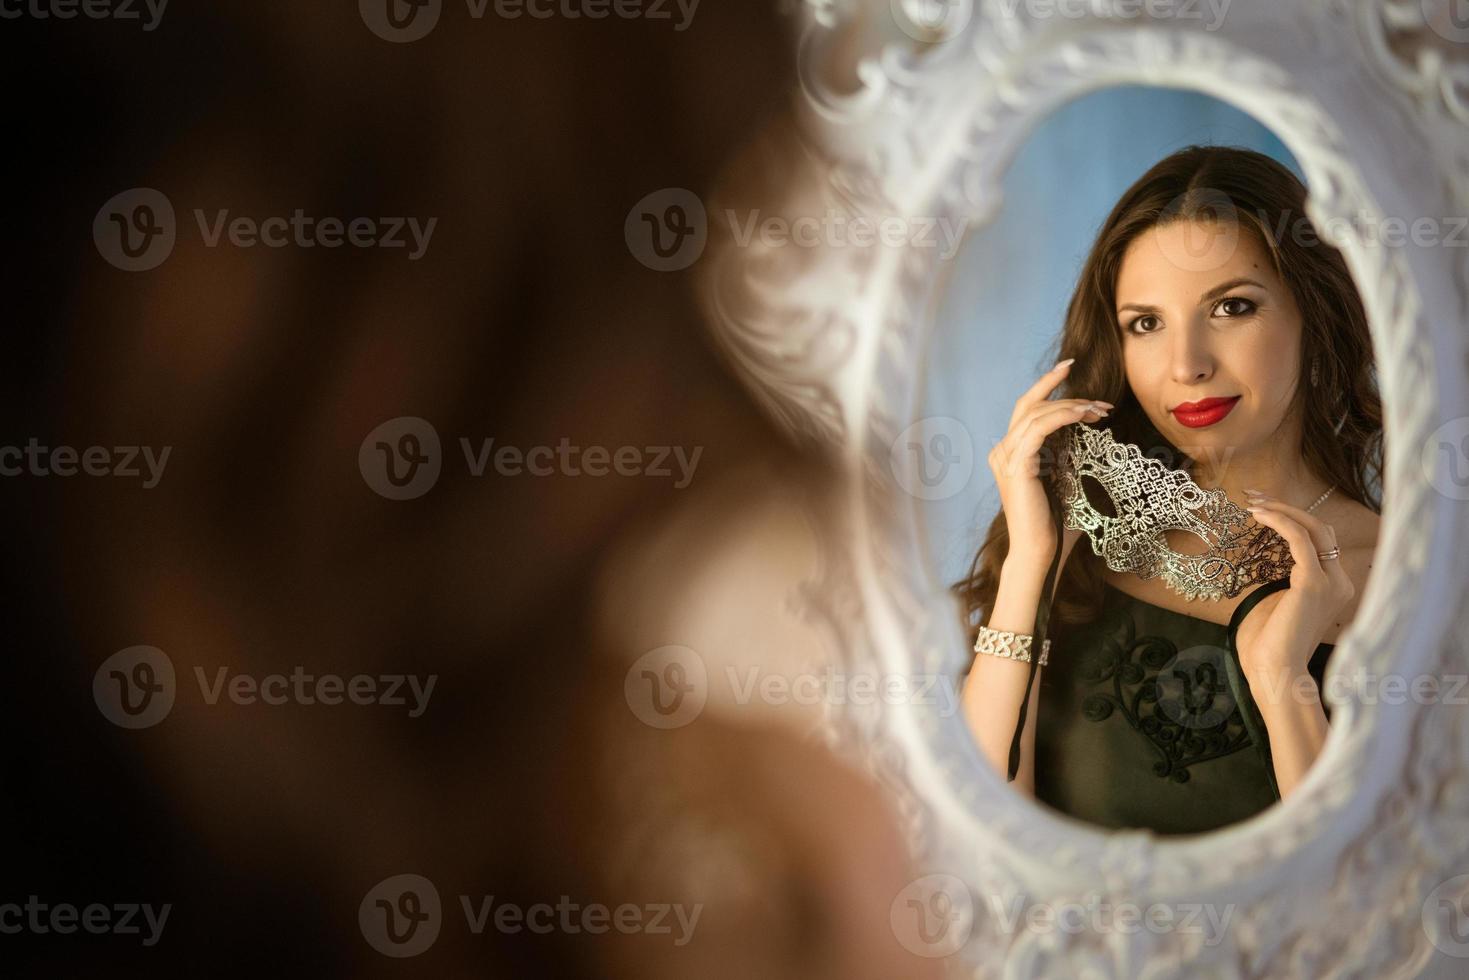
(1211, 328)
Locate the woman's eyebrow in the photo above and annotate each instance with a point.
(1225, 287)
(1211, 293)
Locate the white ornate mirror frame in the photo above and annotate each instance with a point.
(1344, 878)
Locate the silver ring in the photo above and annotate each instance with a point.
(1328, 555)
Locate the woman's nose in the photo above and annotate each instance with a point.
(1192, 360)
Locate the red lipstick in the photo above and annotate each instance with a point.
(1197, 415)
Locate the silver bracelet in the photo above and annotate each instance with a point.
(1011, 646)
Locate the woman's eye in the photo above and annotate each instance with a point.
(1234, 306)
(1143, 324)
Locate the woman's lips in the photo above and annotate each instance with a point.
(1198, 414)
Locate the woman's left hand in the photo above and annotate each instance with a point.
(1282, 633)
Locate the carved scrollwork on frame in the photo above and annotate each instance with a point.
(1372, 98)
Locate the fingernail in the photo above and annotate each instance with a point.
(1068, 360)
(1253, 510)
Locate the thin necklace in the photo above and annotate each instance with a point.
(1321, 498)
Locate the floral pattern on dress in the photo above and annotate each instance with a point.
(1179, 700)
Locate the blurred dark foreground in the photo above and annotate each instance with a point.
(259, 558)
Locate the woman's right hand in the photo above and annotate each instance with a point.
(1015, 463)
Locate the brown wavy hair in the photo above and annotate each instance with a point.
(1263, 198)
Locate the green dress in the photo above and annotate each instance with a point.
(1145, 720)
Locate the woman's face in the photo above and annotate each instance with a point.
(1203, 316)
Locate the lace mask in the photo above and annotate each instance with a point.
(1148, 499)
